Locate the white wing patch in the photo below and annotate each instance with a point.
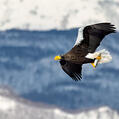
(80, 36)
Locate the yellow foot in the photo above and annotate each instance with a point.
(98, 57)
(93, 65)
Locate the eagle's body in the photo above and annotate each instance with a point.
(83, 52)
(77, 55)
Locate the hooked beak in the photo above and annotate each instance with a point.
(57, 58)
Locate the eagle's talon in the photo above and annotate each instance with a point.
(93, 65)
(98, 57)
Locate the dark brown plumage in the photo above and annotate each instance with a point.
(90, 39)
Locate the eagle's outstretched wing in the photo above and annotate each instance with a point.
(73, 70)
(92, 35)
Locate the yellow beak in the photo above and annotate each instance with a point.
(57, 58)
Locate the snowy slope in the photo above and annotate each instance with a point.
(56, 14)
(12, 107)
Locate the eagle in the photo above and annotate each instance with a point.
(83, 52)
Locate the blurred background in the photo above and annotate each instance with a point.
(32, 84)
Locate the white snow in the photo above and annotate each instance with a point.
(56, 14)
(6, 104)
(13, 107)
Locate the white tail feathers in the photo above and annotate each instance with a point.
(105, 56)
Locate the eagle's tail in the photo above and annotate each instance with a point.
(102, 56)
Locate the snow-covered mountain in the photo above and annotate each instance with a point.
(13, 107)
(56, 14)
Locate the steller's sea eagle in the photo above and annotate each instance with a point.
(83, 51)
